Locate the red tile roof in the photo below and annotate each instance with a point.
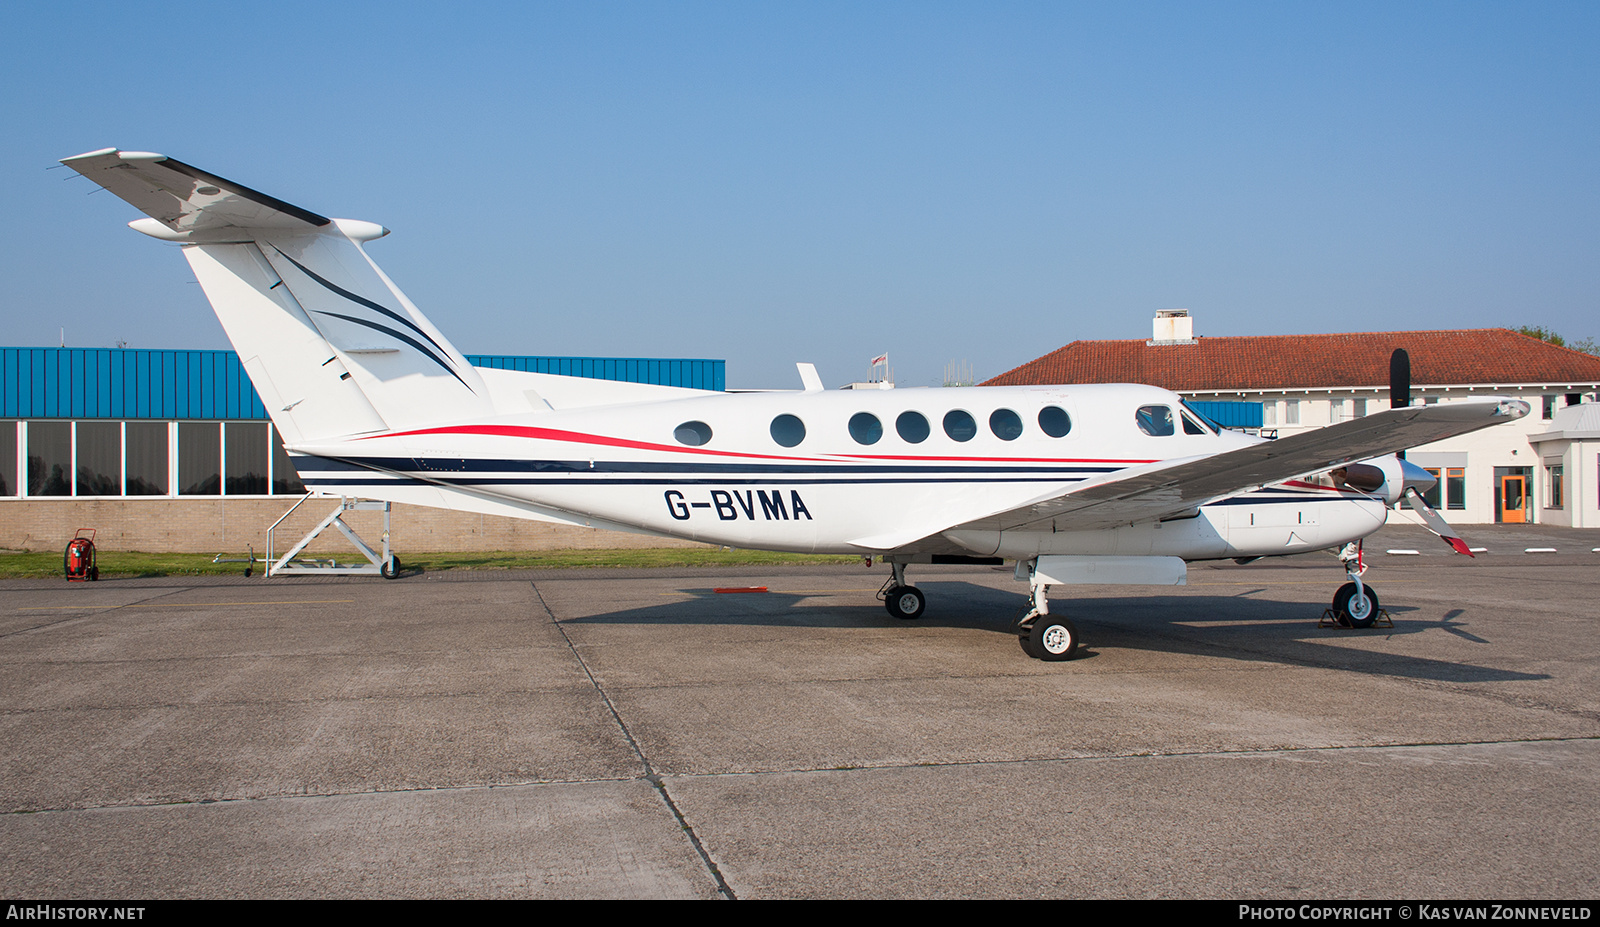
(1438, 358)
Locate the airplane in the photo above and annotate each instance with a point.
(1078, 484)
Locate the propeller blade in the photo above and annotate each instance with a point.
(1436, 524)
(1399, 379)
(1399, 383)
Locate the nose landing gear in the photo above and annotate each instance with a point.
(1355, 605)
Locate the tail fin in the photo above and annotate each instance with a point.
(331, 344)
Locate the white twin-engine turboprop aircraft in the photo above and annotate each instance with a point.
(1104, 483)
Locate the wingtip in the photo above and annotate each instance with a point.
(98, 153)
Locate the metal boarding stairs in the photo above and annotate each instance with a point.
(384, 564)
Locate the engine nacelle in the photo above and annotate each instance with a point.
(1385, 477)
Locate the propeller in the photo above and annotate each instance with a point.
(1399, 379)
(1415, 476)
(1413, 479)
(1431, 518)
(1399, 383)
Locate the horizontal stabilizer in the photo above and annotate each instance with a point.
(191, 204)
(333, 347)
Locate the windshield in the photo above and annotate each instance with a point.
(1215, 428)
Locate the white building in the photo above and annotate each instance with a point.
(1543, 468)
(1569, 464)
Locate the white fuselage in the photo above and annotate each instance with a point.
(754, 482)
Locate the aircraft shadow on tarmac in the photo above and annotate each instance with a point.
(1241, 627)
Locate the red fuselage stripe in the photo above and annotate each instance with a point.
(578, 437)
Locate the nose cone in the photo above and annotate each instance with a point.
(1414, 477)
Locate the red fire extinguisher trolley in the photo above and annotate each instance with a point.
(78, 560)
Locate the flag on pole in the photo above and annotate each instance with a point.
(880, 359)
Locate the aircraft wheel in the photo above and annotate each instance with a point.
(1052, 638)
(391, 567)
(1353, 610)
(905, 602)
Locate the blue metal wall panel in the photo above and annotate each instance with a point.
(91, 383)
(1231, 414)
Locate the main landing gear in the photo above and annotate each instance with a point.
(1045, 636)
(903, 601)
(1355, 605)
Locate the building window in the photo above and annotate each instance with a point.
(49, 458)
(99, 458)
(1455, 485)
(8, 458)
(1548, 408)
(285, 479)
(146, 458)
(1360, 409)
(1555, 491)
(246, 454)
(199, 459)
(1269, 414)
(139, 458)
(1450, 490)
(1291, 412)
(1432, 496)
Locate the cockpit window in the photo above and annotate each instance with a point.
(1155, 420)
(1192, 427)
(1202, 418)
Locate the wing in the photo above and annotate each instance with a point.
(191, 203)
(1174, 487)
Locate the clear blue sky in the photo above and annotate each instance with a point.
(822, 182)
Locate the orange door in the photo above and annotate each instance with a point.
(1511, 499)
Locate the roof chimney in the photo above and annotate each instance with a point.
(1172, 326)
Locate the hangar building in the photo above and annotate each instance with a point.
(165, 450)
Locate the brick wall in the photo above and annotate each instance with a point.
(210, 526)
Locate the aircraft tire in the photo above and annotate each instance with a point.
(905, 602)
(390, 568)
(1354, 612)
(1053, 638)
